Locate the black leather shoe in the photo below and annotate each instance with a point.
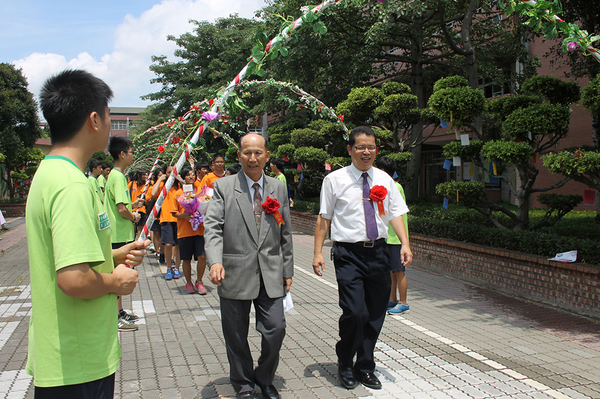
(368, 379)
(246, 395)
(268, 391)
(346, 377)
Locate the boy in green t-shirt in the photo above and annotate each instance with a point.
(73, 349)
(396, 304)
(277, 167)
(95, 168)
(119, 208)
(104, 175)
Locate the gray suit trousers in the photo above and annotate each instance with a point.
(270, 323)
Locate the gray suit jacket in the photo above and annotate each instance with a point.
(232, 239)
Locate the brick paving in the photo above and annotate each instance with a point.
(458, 341)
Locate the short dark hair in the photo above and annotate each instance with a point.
(118, 144)
(67, 100)
(279, 163)
(184, 171)
(202, 165)
(218, 155)
(234, 169)
(357, 131)
(386, 164)
(105, 165)
(94, 163)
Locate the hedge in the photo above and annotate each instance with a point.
(533, 242)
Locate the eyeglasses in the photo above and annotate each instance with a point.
(219, 161)
(365, 147)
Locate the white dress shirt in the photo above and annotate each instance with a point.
(251, 182)
(341, 202)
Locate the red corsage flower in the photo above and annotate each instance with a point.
(271, 205)
(378, 194)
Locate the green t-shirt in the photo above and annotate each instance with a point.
(101, 182)
(392, 237)
(282, 178)
(116, 192)
(71, 340)
(96, 187)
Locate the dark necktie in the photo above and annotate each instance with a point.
(369, 209)
(257, 204)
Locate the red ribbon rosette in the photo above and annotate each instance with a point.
(271, 205)
(378, 194)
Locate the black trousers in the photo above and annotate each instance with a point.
(364, 284)
(104, 388)
(270, 323)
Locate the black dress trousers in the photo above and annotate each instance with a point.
(364, 284)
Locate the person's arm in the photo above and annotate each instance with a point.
(81, 281)
(123, 211)
(320, 233)
(213, 236)
(406, 255)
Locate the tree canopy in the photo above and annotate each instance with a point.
(19, 125)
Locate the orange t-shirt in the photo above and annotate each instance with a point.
(167, 207)
(135, 194)
(209, 180)
(184, 227)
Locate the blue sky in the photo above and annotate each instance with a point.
(112, 39)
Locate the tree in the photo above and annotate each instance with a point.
(531, 123)
(19, 124)
(211, 55)
(393, 109)
(581, 164)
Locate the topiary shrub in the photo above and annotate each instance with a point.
(312, 157)
(308, 138)
(286, 150)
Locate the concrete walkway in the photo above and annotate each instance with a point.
(458, 341)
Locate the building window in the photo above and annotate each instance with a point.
(118, 125)
(491, 88)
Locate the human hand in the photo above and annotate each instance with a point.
(136, 217)
(287, 283)
(131, 254)
(318, 263)
(217, 273)
(138, 203)
(126, 280)
(406, 255)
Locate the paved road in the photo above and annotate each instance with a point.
(458, 341)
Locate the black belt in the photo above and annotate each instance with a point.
(363, 244)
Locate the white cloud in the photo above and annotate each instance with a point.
(136, 40)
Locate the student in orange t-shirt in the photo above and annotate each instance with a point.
(217, 173)
(168, 227)
(136, 191)
(191, 243)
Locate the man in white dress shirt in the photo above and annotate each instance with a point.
(360, 254)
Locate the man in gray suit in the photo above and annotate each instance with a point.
(250, 258)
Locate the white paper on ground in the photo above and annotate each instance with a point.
(287, 302)
(568, 257)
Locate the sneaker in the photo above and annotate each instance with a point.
(126, 326)
(391, 304)
(169, 274)
(161, 259)
(123, 315)
(189, 288)
(151, 248)
(399, 309)
(200, 288)
(176, 274)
